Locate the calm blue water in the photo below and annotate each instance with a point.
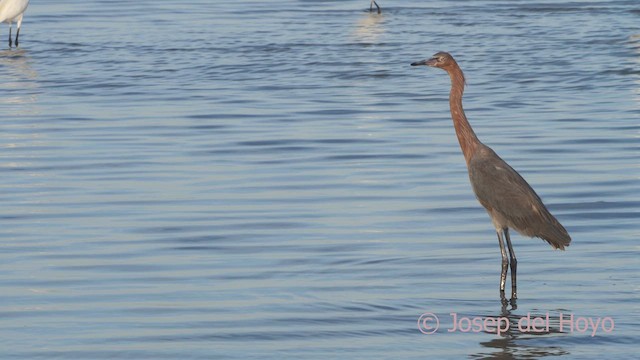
(271, 179)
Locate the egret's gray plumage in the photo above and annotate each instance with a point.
(507, 197)
(510, 200)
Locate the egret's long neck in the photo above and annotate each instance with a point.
(466, 137)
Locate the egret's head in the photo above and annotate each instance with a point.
(440, 60)
(446, 62)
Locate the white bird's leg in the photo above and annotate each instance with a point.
(513, 263)
(18, 31)
(10, 43)
(371, 6)
(505, 263)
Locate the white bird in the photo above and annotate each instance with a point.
(371, 6)
(10, 11)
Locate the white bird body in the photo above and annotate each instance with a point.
(10, 11)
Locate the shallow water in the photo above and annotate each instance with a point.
(251, 179)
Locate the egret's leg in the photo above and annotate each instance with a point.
(371, 6)
(513, 264)
(505, 263)
(10, 43)
(18, 31)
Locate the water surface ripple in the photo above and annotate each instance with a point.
(251, 179)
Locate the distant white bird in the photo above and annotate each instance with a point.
(370, 6)
(10, 11)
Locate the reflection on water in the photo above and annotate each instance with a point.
(19, 83)
(514, 343)
(20, 90)
(369, 28)
(635, 44)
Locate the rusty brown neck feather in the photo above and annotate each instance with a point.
(466, 137)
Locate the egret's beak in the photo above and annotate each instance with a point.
(428, 62)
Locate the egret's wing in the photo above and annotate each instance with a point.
(500, 189)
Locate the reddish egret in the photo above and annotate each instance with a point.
(10, 11)
(373, 2)
(508, 198)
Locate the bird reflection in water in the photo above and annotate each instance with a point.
(635, 43)
(20, 84)
(512, 343)
(369, 28)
